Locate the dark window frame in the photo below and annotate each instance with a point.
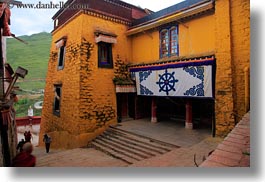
(105, 58)
(61, 57)
(168, 42)
(57, 101)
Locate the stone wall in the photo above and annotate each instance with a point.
(224, 105)
(88, 101)
(69, 78)
(232, 56)
(240, 26)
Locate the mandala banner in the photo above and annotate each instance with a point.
(175, 80)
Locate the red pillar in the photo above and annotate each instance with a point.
(153, 110)
(188, 123)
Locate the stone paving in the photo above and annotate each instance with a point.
(195, 145)
(234, 151)
(192, 142)
(34, 129)
(79, 157)
(182, 157)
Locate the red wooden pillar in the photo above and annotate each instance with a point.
(188, 123)
(153, 110)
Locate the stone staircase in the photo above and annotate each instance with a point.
(129, 147)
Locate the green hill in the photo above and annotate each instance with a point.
(34, 57)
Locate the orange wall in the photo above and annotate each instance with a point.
(145, 47)
(88, 103)
(195, 37)
(241, 53)
(69, 78)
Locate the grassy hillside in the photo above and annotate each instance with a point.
(34, 57)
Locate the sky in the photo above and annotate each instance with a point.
(29, 21)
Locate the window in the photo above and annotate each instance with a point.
(56, 22)
(61, 57)
(169, 42)
(105, 55)
(57, 99)
(173, 41)
(164, 43)
(60, 44)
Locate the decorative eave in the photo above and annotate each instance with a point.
(108, 17)
(70, 19)
(95, 14)
(112, 10)
(118, 3)
(183, 59)
(176, 16)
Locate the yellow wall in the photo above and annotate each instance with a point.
(232, 51)
(145, 47)
(195, 37)
(225, 33)
(98, 94)
(240, 54)
(88, 102)
(69, 78)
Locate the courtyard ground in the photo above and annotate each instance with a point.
(194, 147)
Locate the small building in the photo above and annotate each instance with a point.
(110, 60)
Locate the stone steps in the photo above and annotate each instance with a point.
(129, 147)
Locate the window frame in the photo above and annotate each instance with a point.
(61, 47)
(166, 39)
(61, 57)
(57, 102)
(107, 48)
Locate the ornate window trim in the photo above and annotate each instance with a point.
(169, 42)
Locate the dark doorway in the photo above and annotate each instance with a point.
(131, 105)
(126, 106)
(203, 113)
(174, 109)
(170, 108)
(143, 107)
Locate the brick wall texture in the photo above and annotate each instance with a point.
(88, 103)
(232, 50)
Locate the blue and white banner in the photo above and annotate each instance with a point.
(188, 81)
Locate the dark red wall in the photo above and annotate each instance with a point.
(25, 120)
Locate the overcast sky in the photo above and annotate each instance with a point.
(30, 21)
